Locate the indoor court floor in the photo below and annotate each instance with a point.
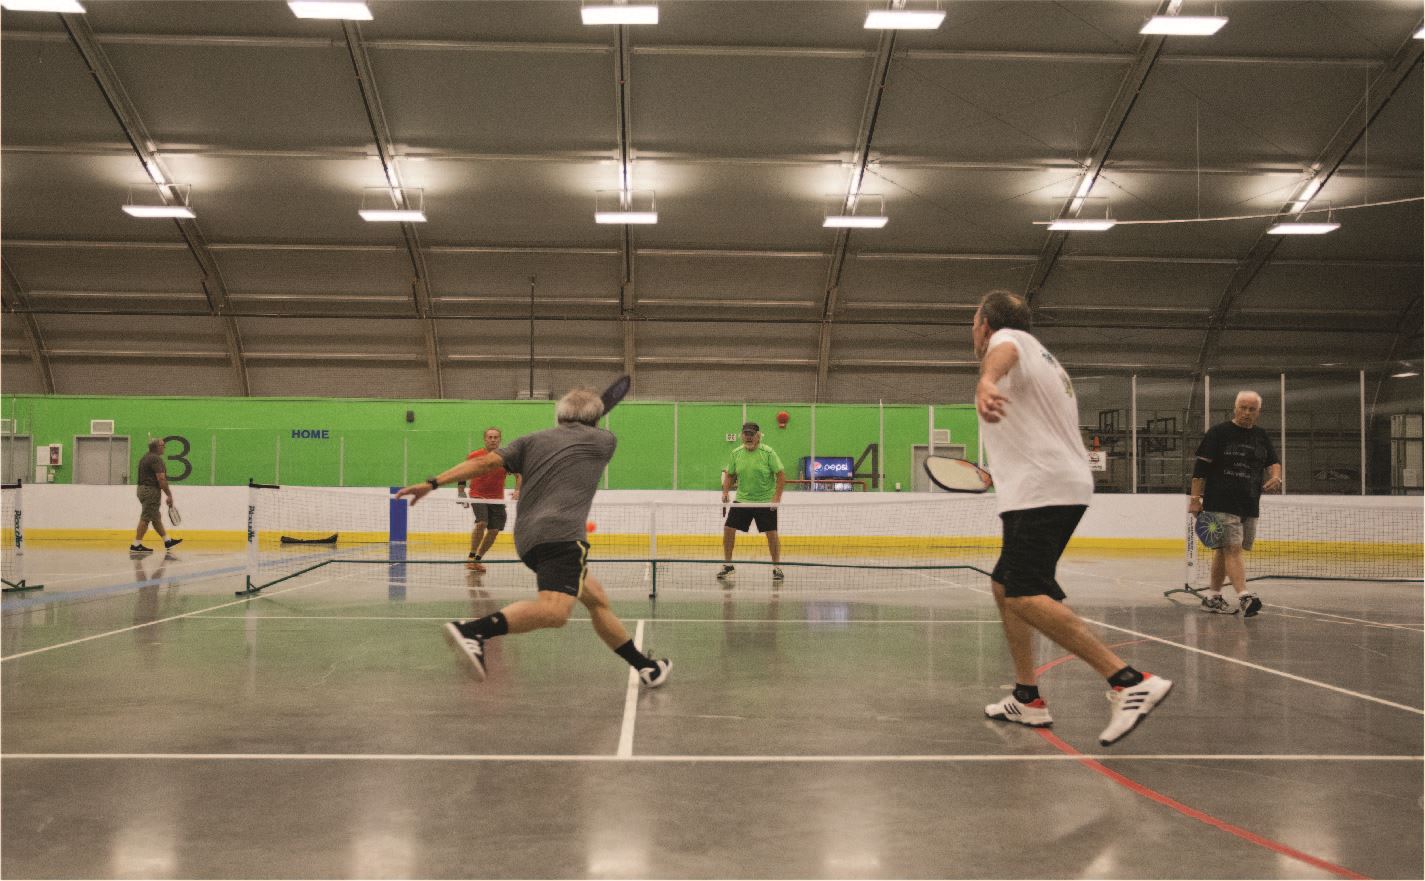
(157, 726)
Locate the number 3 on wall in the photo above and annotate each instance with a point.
(181, 457)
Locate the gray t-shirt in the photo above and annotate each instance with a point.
(560, 469)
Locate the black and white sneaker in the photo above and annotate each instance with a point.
(470, 647)
(1035, 714)
(724, 572)
(171, 542)
(777, 574)
(656, 675)
(139, 550)
(1131, 705)
(1217, 604)
(1251, 604)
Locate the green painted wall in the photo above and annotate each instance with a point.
(369, 442)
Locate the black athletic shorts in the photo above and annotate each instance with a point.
(741, 518)
(492, 515)
(559, 565)
(1034, 539)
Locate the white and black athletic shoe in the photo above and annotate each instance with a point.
(139, 550)
(656, 675)
(1035, 714)
(1251, 604)
(1217, 604)
(724, 572)
(171, 542)
(471, 648)
(1131, 705)
(777, 574)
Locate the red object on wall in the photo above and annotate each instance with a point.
(783, 418)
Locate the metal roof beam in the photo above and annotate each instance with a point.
(712, 50)
(17, 303)
(1108, 132)
(1405, 60)
(623, 125)
(860, 159)
(84, 40)
(381, 133)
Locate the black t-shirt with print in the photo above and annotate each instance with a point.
(1239, 458)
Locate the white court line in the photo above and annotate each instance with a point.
(1412, 629)
(630, 700)
(1292, 676)
(50, 648)
(655, 620)
(708, 759)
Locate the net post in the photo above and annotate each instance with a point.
(653, 546)
(251, 539)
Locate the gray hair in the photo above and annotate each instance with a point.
(1247, 393)
(580, 405)
(155, 445)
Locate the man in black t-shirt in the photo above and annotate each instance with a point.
(1227, 480)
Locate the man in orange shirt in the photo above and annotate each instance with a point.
(489, 516)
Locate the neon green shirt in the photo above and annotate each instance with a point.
(756, 472)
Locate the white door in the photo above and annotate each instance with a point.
(919, 482)
(101, 460)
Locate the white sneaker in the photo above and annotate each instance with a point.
(1035, 714)
(470, 648)
(1131, 705)
(655, 676)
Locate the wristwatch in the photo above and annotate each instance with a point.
(434, 484)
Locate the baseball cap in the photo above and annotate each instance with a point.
(750, 426)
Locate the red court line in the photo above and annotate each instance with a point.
(1134, 786)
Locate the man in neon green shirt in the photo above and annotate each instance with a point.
(757, 471)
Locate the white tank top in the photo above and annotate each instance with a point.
(1035, 452)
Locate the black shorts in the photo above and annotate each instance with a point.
(559, 566)
(741, 517)
(1034, 539)
(492, 515)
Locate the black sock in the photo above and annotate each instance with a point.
(633, 656)
(1026, 693)
(488, 626)
(1127, 678)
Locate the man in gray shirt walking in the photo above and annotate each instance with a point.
(560, 468)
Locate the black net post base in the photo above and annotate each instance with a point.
(252, 588)
(17, 586)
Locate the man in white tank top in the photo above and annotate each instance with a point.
(1029, 420)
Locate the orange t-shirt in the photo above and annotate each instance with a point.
(490, 485)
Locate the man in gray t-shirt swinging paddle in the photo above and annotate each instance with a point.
(560, 469)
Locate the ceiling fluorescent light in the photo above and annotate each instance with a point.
(1404, 375)
(42, 5)
(159, 211)
(611, 13)
(1306, 196)
(1074, 224)
(625, 216)
(904, 19)
(1183, 25)
(855, 221)
(354, 11)
(388, 215)
(1303, 229)
(1420, 34)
